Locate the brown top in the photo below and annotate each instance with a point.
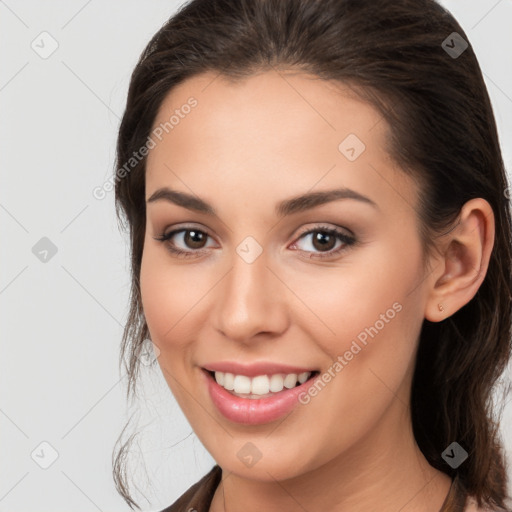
(199, 496)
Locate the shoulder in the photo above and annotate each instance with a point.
(198, 496)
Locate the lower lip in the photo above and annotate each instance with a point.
(254, 411)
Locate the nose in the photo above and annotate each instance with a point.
(250, 301)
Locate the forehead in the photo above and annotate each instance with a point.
(274, 127)
(272, 99)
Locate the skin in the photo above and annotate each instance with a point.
(244, 148)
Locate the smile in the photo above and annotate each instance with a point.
(261, 385)
(259, 399)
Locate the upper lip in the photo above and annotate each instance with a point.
(254, 369)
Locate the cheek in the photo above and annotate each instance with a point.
(367, 318)
(174, 303)
(372, 294)
(162, 306)
(371, 356)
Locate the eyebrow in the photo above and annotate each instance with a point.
(287, 207)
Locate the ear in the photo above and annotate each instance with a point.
(462, 266)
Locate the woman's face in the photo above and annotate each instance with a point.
(264, 286)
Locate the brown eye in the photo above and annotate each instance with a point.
(185, 242)
(194, 239)
(323, 241)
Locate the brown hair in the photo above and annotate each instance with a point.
(442, 133)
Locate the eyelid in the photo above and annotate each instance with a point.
(186, 227)
(326, 226)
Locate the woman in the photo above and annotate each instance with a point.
(321, 253)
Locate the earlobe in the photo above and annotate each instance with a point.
(464, 265)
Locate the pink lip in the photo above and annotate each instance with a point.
(254, 369)
(254, 411)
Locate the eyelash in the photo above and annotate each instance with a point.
(347, 240)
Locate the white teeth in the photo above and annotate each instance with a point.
(242, 384)
(260, 385)
(276, 383)
(228, 381)
(303, 377)
(290, 380)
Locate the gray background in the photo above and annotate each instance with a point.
(62, 319)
